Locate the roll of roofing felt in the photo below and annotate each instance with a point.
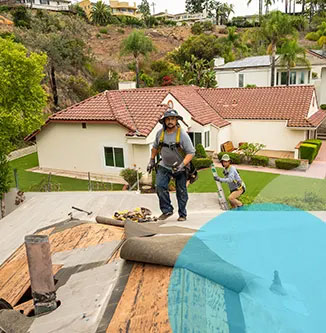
(108, 221)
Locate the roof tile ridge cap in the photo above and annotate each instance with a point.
(135, 129)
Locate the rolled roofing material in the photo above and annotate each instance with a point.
(162, 250)
(109, 221)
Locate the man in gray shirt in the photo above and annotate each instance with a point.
(176, 150)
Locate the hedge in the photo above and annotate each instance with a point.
(308, 151)
(235, 158)
(259, 160)
(202, 163)
(200, 151)
(287, 163)
(316, 142)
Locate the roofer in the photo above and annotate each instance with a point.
(174, 146)
(233, 179)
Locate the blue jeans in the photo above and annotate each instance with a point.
(163, 178)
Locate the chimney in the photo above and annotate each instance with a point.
(219, 61)
(127, 85)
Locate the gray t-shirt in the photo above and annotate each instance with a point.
(171, 156)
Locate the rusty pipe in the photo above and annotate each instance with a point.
(40, 271)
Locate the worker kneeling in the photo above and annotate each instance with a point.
(174, 146)
(233, 179)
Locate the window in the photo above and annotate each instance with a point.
(195, 138)
(114, 157)
(241, 80)
(84, 125)
(293, 77)
(302, 78)
(207, 143)
(283, 78)
(277, 78)
(309, 77)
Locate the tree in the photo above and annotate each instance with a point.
(322, 36)
(62, 38)
(22, 97)
(200, 73)
(101, 13)
(275, 28)
(144, 9)
(22, 17)
(292, 53)
(137, 44)
(260, 7)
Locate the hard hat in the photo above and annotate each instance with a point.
(170, 113)
(226, 158)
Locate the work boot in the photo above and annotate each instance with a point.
(165, 216)
(182, 219)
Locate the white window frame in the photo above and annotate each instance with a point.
(243, 81)
(207, 139)
(114, 167)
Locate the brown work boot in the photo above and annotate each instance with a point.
(165, 216)
(182, 219)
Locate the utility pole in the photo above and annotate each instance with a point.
(153, 5)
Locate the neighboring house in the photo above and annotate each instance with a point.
(165, 15)
(86, 5)
(60, 5)
(123, 8)
(257, 71)
(191, 18)
(116, 129)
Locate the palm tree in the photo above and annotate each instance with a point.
(101, 13)
(275, 28)
(260, 7)
(137, 44)
(322, 36)
(292, 53)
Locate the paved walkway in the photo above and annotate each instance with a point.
(21, 152)
(316, 170)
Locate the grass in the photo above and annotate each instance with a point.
(262, 187)
(33, 181)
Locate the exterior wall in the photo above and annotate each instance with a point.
(141, 156)
(67, 146)
(274, 134)
(127, 85)
(225, 134)
(86, 6)
(230, 79)
(314, 107)
(322, 98)
(123, 8)
(49, 5)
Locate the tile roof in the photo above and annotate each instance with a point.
(263, 103)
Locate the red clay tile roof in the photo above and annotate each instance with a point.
(263, 103)
(314, 121)
(200, 110)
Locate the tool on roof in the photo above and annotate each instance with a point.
(81, 210)
(140, 215)
(220, 193)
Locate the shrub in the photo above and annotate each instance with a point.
(208, 26)
(22, 18)
(121, 31)
(314, 75)
(235, 158)
(148, 80)
(200, 151)
(80, 87)
(316, 142)
(202, 163)
(197, 29)
(130, 176)
(314, 36)
(103, 30)
(308, 151)
(323, 106)
(4, 9)
(259, 160)
(287, 163)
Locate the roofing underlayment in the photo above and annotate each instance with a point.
(163, 278)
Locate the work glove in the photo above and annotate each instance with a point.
(151, 165)
(217, 179)
(179, 168)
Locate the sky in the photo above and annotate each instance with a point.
(240, 6)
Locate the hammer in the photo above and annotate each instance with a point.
(81, 210)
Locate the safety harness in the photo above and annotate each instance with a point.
(192, 174)
(240, 185)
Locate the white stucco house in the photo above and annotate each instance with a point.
(55, 5)
(116, 129)
(257, 71)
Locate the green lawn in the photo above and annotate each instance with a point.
(31, 181)
(296, 191)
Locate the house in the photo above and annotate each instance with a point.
(123, 8)
(60, 5)
(257, 71)
(86, 5)
(116, 129)
(190, 18)
(164, 15)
